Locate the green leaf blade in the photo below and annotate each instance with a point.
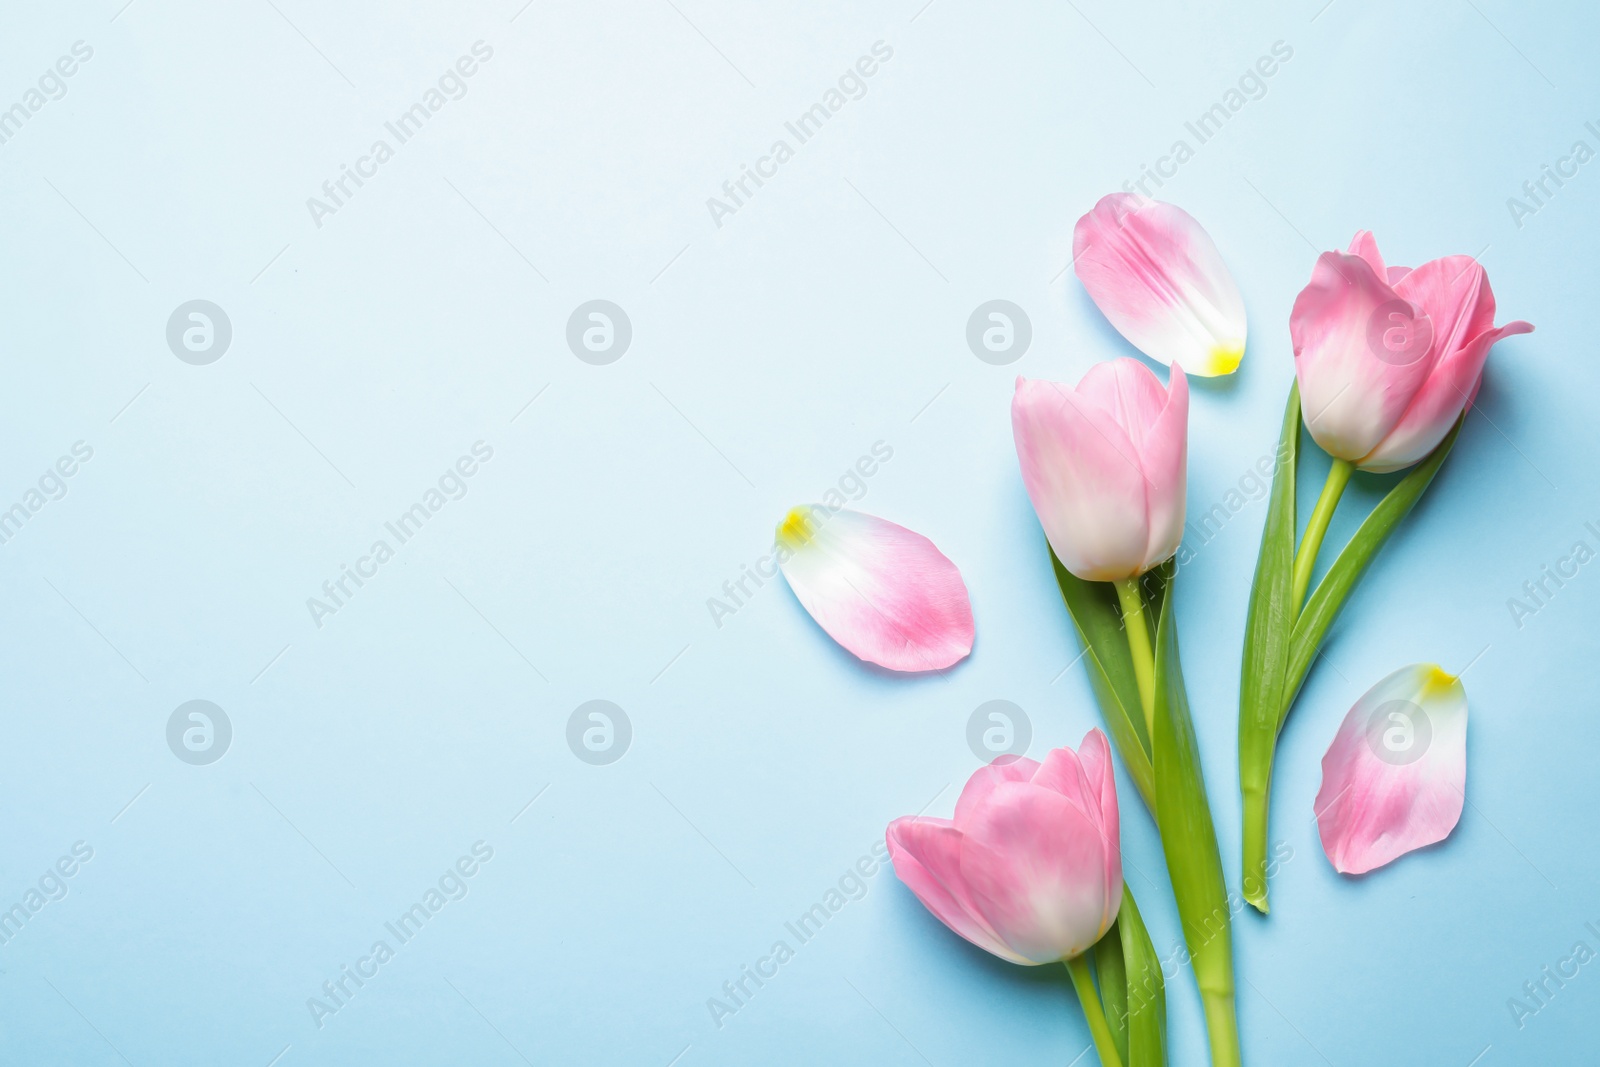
(1111, 974)
(1269, 621)
(1098, 620)
(1146, 989)
(1183, 814)
(1269, 624)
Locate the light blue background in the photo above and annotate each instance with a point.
(769, 354)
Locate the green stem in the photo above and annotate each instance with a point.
(1083, 982)
(1144, 660)
(1222, 1029)
(1305, 560)
(1255, 846)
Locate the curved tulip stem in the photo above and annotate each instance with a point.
(1105, 1045)
(1144, 660)
(1305, 560)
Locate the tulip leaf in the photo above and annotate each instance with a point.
(1146, 991)
(1098, 619)
(1112, 977)
(1267, 629)
(1324, 604)
(1183, 815)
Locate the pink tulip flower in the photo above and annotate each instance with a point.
(884, 592)
(1104, 465)
(1030, 868)
(1395, 777)
(1388, 358)
(1155, 273)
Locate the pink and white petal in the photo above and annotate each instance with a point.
(1039, 872)
(1352, 389)
(882, 591)
(926, 854)
(1127, 392)
(1365, 245)
(986, 779)
(1448, 392)
(1083, 476)
(1455, 292)
(1085, 778)
(1094, 755)
(1062, 772)
(1156, 421)
(1164, 455)
(1395, 777)
(1157, 276)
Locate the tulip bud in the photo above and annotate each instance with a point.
(1105, 465)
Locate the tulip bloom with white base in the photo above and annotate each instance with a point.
(1030, 867)
(1105, 466)
(1388, 357)
(1157, 275)
(882, 591)
(1395, 777)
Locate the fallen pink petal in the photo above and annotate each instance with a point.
(1157, 276)
(884, 592)
(1395, 777)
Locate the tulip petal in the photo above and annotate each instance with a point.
(927, 857)
(1040, 872)
(1084, 778)
(1361, 352)
(1156, 421)
(1083, 476)
(1455, 293)
(1365, 245)
(882, 591)
(988, 778)
(1164, 456)
(1157, 276)
(1395, 777)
